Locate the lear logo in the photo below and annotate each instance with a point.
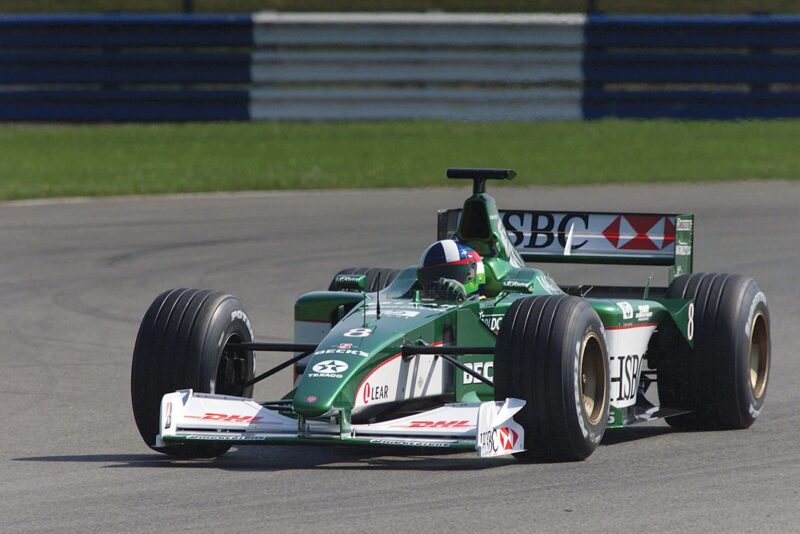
(508, 438)
(330, 367)
(373, 393)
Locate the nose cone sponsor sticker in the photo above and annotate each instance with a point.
(330, 367)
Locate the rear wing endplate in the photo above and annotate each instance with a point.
(594, 237)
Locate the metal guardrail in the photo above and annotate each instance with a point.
(383, 66)
(433, 65)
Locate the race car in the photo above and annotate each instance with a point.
(470, 349)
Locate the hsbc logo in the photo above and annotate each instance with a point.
(498, 439)
(543, 233)
(508, 438)
(540, 230)
(640, 232)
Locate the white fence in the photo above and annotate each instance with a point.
(442, 66)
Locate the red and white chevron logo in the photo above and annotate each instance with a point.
(640, 232)
(508, 438)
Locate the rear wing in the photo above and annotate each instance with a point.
(594, 237)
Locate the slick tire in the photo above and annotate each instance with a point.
(551, 353)
(375, 276)
(185, 341)
(723, 379)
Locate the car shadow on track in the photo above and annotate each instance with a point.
(625, 435)
(281, 458)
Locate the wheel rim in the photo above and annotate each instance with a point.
(592, 379)
(759, 355)
(232, 370)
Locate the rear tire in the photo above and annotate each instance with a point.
(551, 352)
(377, 277)
(723, 379)
(184, 342)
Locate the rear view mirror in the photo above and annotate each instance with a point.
(350, 282)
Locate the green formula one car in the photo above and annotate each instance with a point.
(471, 349)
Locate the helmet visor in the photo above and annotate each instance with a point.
(462, 272)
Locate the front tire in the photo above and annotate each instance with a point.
(551, 352)
(723, 379)
(186, 340)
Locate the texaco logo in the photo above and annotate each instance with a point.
(330, 367)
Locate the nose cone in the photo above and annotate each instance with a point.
(310, 404)
(321, 383)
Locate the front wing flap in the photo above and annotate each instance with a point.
(487, 427)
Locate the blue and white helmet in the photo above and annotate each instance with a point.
(450, 259)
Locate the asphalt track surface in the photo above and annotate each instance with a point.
(76, 278)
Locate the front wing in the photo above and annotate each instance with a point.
(486, 427)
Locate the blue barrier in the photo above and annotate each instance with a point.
(124, 68)
(377, 66)
(65, 31)
(690, 104)
(679, 31)
(727, 67)
(123, 105)
(682, 68)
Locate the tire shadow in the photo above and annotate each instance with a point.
(301, 457)
(626, 435)
(281, 458)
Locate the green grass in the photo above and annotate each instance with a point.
(57, 160)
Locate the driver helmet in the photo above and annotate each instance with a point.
(450, 259)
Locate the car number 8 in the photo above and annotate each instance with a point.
(358, 332)
(690, 322)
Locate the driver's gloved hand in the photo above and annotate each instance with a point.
(452, 289)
